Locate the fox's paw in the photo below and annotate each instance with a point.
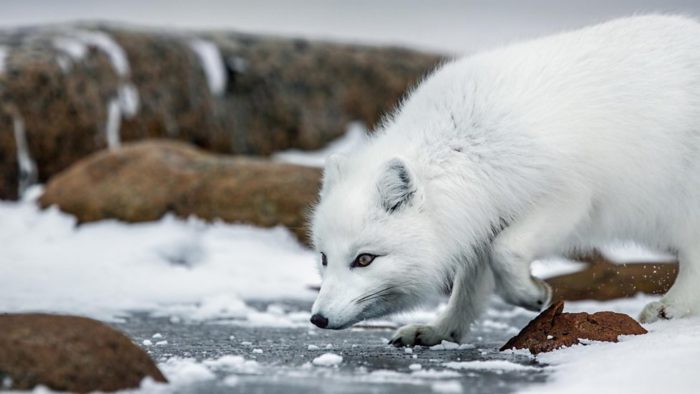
(533, 294)
(417, 335)
(658, 310)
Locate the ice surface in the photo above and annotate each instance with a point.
(212, 64)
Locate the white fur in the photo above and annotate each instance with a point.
(535, 149)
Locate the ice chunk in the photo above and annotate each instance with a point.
(328, 360)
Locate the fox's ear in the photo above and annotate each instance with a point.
(397, 186)
(332, 172)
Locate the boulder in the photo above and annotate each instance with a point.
(553, 329)
(76, 89)
(604, 280)
(143, 181)
(69, 353)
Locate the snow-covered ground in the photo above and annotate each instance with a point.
(173, 266)
(187, 269)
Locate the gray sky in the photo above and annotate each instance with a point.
(443, 25)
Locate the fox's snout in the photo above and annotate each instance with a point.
(319, 320)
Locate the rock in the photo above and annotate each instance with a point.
(69, 353)
(603, 280)
(70, 84)
(145, 180)
(553, 329)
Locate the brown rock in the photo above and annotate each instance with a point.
(604, 280)
(553, 329)
(143, 181)
(69, 353)
(280, 93)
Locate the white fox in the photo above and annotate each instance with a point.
(541, 148)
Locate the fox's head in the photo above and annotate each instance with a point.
(376, 244)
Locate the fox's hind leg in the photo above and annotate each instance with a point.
(534, 235)
(683, 298)
(471, 290)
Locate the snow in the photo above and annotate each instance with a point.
(3, 59)
(214, 267)
(212, 64)
(658, 362)
(107, 45)
(183, 371)
(113, 124)
(231, 363)
(491, 365)
(27, 167)
(327, 360)
(450, 386)
(354, 137)
(75, 48)
(415, 367)
(128, 100)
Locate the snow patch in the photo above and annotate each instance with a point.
(498, 365)
(231, 363)
(75, 48)
(661, 361)
(450, 386)
(4, 52)
(183, 371)
(327, 360)
(212, 64)
(129, 101)
(354, 137)
(28, 173)
(107, 45)
(236, 262)
(114, 120)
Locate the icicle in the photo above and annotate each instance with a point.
(113, 123)
(28, 174)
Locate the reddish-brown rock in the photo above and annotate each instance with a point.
(69, 353)
(144, 181)
(553, 329)
(604, 280)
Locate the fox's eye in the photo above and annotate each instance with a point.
(324, 260)
(363, 260)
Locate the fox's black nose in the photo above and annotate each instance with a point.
(319, 320)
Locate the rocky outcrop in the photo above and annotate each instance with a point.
(143, 181)
(604, 280)
(68, 353)
(553, 329)
(67, 91)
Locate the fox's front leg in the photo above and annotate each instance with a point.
(534, 235)
(471, 289)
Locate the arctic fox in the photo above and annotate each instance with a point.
(541, 148)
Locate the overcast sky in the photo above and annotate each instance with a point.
(442, 25)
